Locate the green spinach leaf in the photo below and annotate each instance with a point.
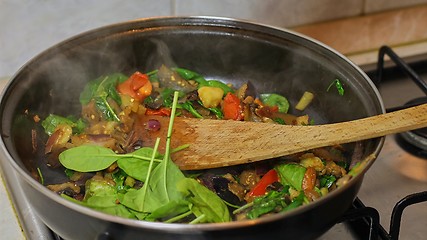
(205, 202)
(88, 158)
(291, 174)
(161, 187)
(169, 210)
(136, 168)
(109, 84)
(100, 90)
(92, 158)
(51, 122)
(117, 210)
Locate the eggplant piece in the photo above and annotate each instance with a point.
(156, 102)
(171, 79)
(220, 185)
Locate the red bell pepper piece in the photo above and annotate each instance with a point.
(166, 112)
(138, 86)
(232, 108)
(309, 180)
(261, 187)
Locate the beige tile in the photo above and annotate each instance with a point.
(29, 27)
(282, 13)
(372, 6)
(361, 34)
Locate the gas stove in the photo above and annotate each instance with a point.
(392, 202)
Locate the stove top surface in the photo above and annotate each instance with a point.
(399, 170)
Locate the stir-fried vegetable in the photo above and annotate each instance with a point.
(305, 100)
(273, 99)
(51, 123)
(110, 168)
(138, 86)
(261, 187)
(100, 90)
(232, 108)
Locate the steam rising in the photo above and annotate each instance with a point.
(269, 64)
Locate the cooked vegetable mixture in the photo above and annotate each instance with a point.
(111, 170)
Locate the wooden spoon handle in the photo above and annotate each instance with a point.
(216, 143)
(376, 126)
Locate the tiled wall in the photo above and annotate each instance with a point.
(28, 27)
(283, 13)
(372, 6)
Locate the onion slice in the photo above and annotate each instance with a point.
(153, 125)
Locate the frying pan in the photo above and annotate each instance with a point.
(269, 59)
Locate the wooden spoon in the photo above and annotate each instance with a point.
(219, 143)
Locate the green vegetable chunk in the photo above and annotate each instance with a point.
(186, 74)
(218, 84)
(273, 99)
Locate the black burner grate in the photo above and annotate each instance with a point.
(365, 221)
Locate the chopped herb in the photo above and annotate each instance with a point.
(279, 121)
(189, 107)
(338, 85)
(327, 181)
(69, 173)
(217, 111)
(102, 89)
(41, 176)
